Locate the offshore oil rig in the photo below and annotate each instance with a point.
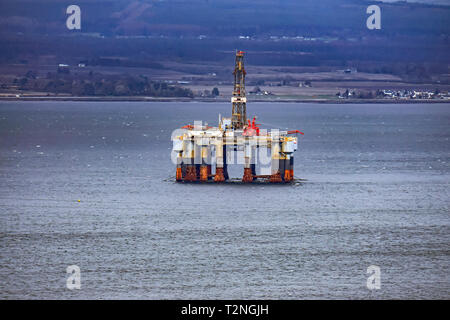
(199, 147)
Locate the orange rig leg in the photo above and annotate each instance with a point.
(287, 176)
(203, 173)
(219, 176)
(276, 178)
(191, 173)
(179, 176)
(248, 176)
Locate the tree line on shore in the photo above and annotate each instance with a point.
(98, 85)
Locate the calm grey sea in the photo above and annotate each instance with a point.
(377, 193)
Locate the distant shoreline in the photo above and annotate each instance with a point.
(181, 99)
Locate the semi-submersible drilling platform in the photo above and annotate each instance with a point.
(198, 147)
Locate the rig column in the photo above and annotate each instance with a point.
(219, 176)
(287, 169)
(204, 166)
(288, 148)
(208, 161)
(191, 171)
(178, 147)
(291, 166)
(275, 150)
(282, 166)
(248, 172)
(225, 165)
(179, 175)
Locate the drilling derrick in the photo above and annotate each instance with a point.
(239, 101)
